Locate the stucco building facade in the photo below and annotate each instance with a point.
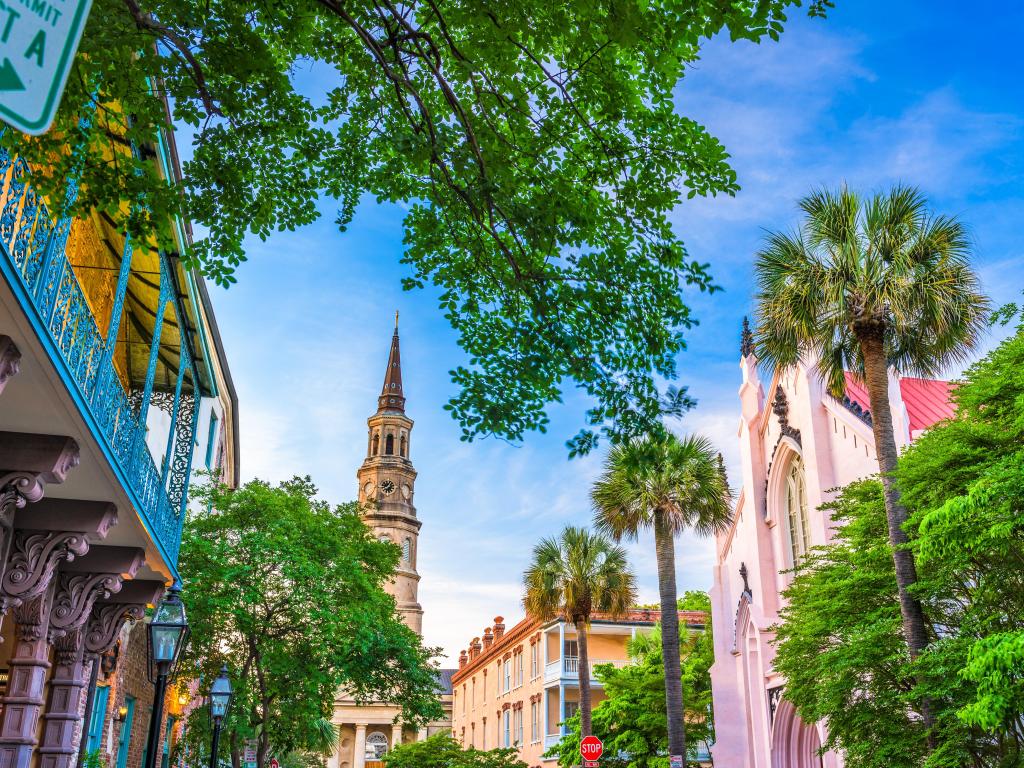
(387, 487)
(796, 444)
(516, 687)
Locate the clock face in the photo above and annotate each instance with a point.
(406, 491)
(387, 487)
(368, 489)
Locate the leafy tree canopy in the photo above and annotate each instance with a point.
(535, 145)
(632, 721)
(442, 751)
(840, 646)
(288, 592)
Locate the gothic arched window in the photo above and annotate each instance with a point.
(407, 549)
(376, 746)
(389, 445)
(376, 444)
(401, 447)
(797, 519)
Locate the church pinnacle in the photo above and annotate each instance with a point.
(391, 396)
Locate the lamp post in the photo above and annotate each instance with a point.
(168, 633)
(220, 700)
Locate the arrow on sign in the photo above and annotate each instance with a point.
(9, 80)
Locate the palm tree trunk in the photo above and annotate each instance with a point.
(877, 381)
(664, 544)
(583, 671)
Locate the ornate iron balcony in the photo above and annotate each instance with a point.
(33, 257)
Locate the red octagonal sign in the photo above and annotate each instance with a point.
(591, 748)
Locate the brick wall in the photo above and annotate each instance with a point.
(130, 678)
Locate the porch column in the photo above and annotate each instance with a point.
(359, 756)
(40, 543)
(78, 590)
(334, 759)
(105, 621)
(10, 361)
(396, 736)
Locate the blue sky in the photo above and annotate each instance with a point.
(923, 92)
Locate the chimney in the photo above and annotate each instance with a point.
(499, 627)
(488, 638)
(474, 648)
(462, 659)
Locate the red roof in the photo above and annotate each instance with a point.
(927, 400)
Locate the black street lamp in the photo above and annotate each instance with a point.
(220, 700)
(168, 633)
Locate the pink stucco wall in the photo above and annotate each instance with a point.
(836, 447)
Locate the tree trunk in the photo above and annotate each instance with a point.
(583, 671)
(664, 543)
(877, 381)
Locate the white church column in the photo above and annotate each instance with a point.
(396, 736)
(359, 756)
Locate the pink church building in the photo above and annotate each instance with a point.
(797, 442)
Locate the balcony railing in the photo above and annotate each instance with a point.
(569, 667)
(32, 257)
(551, 740)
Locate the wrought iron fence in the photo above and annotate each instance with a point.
(33, 243)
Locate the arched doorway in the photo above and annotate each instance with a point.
(795, 744)
(376, 748)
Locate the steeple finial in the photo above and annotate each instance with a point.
(746, 339)
(391, 396)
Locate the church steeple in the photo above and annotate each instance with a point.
(391, 397)
(387, 481)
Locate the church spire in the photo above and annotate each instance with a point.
(391, 396)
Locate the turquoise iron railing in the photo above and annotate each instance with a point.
(32, 252)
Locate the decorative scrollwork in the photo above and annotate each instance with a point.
(76, 594)
(10, 360)
(184, 444)
(30, 617)
(34, 558)
(105, 624)
(746, 339)
(67, 648)
(774, 699)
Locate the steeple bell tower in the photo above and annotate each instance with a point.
(387, 486)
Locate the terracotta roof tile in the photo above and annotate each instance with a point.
(927, 400)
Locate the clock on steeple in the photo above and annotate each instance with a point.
(386, 486)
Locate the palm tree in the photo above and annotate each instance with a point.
(867, 285)
(575, 575)
(671, 485)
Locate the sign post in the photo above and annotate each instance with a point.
(38, 41)
(591, 750)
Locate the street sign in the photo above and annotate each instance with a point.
(675, 761)
(250, 751)
(274, 763)
(591, 764)
(38, 41)
(591, 748)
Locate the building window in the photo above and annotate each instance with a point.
(483, 733)
(519, 668)
(571, 708)
(508, 728)
(534, 660)
(376, 746)
(98, 718)
(407, 549)
(571, 649)
(484, 696)
(534, 721)
(797, 518)
(519, 727)
(376, 444)
(472, 735)
(508, 676)
(402, 447)
(389, 445)
(211, 440)
(125, 736)
(463, 698)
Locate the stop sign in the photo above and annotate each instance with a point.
(591, 748)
